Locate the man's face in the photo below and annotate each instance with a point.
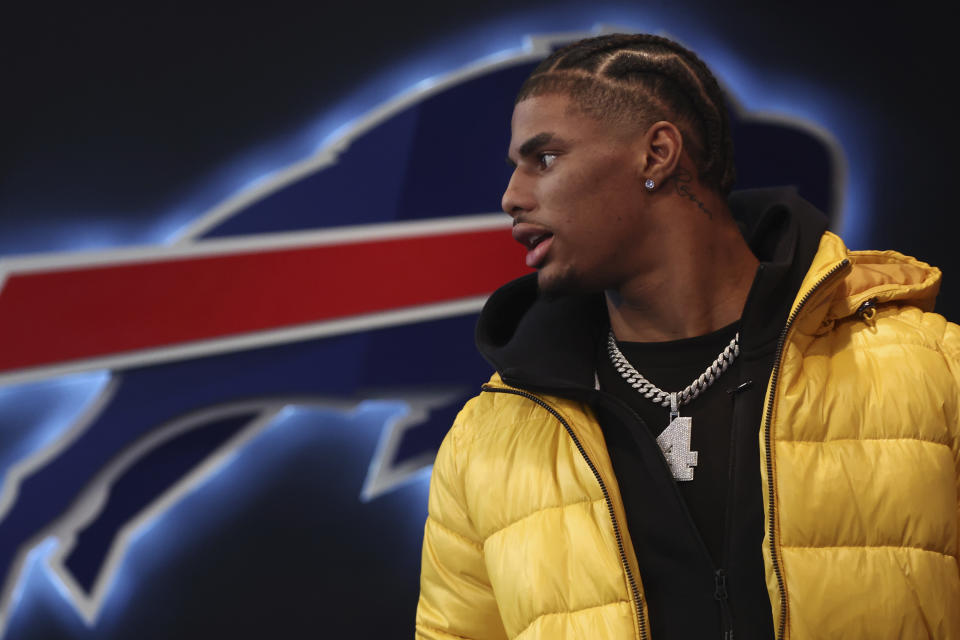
(576, 197)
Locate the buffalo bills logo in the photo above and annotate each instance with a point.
(343, 288)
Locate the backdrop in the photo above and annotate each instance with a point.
(242, 251)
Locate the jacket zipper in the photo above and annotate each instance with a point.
(720, 575)
(720, 595)
(767, 441)
(635, 591)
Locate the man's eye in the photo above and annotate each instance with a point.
(547, 159)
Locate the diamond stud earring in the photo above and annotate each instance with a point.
(649, 184)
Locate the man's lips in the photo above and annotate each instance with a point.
(536, 239)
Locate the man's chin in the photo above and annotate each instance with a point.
(553, 285)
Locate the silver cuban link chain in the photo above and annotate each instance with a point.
(657, 395)
(674, 441)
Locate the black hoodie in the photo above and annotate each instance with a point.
(556, 345)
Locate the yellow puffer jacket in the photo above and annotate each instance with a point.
(860, 450)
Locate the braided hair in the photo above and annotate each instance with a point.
(640, 79)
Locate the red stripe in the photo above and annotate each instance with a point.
(54, 317)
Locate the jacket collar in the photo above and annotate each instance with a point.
(881, 277)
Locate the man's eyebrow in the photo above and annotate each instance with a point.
(532, 145)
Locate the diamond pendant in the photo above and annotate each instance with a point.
(675, 444)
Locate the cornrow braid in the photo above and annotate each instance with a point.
(640, 79)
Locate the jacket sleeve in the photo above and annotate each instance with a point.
(456, 599)
(950, 345)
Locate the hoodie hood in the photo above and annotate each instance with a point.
(550, 344)
(540, 342)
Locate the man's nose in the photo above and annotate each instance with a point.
(517, 198)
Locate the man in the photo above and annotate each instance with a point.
(694, 431)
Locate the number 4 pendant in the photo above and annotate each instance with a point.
(675, 443)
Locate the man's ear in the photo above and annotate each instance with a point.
(661, 148)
